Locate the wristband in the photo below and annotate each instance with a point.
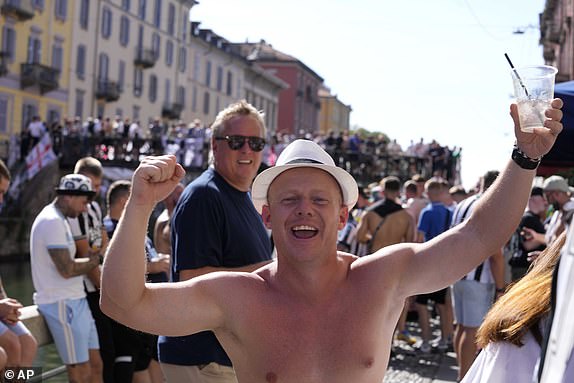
(501, 290)
(523, 160)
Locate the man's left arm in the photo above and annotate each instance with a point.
(443, 260)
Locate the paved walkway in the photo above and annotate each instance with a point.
(409, 365)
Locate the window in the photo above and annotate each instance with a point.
(142, 9)
(181, 95)
(182, 59)
(169, 53)
(106, 22)
(167, 95)
(28, 111)
(9, 42)
(3, 115)
(38, 4)
(126, 5)
(152, 88)
(103, 67)
(138, 82)
(81, 61)
(122, 75)
(194, 99)
(84, 13)
(155, 41)
(57, 57)
(157, 14)
(229, 90)
(208, 74)
(219, 79)
(124, 31)
(61, 9)
(184, 23)
(171, 19)
(53, 115)
(196, 66)
(206, 103)
(34, 50)
(79, 106)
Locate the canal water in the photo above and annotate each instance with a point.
(17, 279)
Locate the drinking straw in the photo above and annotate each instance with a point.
(517, 76)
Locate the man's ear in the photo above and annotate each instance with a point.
(343, 216)
(266, 216)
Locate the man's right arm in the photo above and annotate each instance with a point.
(172, 309)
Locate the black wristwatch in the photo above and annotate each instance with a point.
(523, 160)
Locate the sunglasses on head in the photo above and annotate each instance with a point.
(236, 142)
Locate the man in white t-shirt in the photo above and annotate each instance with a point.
(57, 277)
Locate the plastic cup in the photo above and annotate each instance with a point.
(534, 91)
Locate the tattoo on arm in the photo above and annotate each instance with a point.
(69, 267)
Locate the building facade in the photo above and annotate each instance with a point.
(34, 62)
(557, 37)
(130, 58)
(299, 105)
(335, 115)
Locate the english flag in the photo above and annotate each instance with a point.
(40, 156)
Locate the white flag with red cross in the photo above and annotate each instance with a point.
(41, 155)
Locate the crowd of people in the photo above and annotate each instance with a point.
(262, 274)
(365, 155)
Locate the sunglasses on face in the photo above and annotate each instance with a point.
(236, 142)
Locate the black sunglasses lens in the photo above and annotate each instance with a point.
(256, 143)
(235, 142)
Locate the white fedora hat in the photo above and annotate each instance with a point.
(304, 153)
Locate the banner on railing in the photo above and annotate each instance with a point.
(40, 156)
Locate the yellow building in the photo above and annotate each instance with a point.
(334, 115)
(34, 62)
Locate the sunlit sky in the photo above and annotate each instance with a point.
(411, 69)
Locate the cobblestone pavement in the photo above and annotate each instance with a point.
(410, 365)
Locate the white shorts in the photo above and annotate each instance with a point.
(73, 329)
(17, 328)
(471, 300)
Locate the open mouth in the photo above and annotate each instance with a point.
(245, 162)
(304, 231)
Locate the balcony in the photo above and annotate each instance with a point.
(19, 9)
(108, 91)
(45, 77)
(171, 110)
(145, 58)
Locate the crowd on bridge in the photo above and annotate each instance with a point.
(365, 155)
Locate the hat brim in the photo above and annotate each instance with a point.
(75, 192)
(262, 182)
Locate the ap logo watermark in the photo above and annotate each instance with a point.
(17, 375)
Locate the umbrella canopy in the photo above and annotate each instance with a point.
(562, 154)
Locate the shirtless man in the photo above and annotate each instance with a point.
(314, 315)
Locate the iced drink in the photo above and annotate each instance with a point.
(534, 90)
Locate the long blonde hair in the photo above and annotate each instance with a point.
(524, 304)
